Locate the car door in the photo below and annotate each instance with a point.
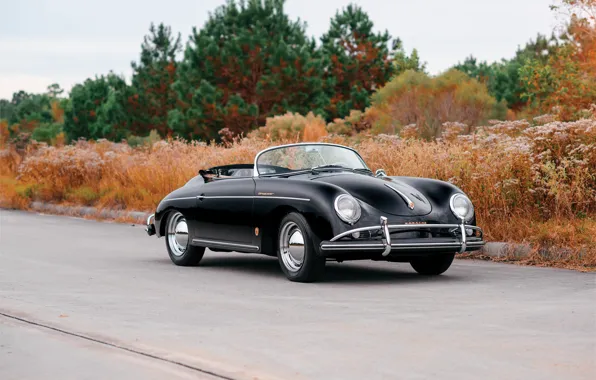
(224, 212)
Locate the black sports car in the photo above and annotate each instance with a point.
(312, 202)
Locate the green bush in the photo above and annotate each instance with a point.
(46, 132)
(83, 195)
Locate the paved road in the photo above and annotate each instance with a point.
(85, 300)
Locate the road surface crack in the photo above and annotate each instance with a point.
(116, 346)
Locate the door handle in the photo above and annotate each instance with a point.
(200, 197)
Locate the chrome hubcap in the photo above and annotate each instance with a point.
(177, 234)
(291, 246)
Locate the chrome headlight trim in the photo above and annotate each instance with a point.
(342, 216)
(470, 212)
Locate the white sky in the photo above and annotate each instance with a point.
(66, 41)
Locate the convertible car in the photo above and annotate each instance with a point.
(312, 202)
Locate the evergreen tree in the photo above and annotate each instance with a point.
(6, 109)
(402, 62)
(152, 82)
(503, 78)
(249, 61)
(54, 90)
(18, 97)
(359, 61)
(96, 109)
(29, 108)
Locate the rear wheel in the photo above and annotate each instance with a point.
(178, 241)
(433, 265)
(296, 250)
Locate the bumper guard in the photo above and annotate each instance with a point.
(461, 242)
(150, 229)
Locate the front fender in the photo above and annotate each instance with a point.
(182, 199)
(439, 193)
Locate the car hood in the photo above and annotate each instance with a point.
(386, 194)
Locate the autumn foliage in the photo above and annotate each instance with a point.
(530, 182)
(358, 63)
(251, 78)
(566, 83)
(428, 102)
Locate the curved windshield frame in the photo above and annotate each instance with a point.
(293, 158)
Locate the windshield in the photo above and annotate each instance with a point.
(308, 156)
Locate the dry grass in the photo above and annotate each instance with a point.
(529, 184)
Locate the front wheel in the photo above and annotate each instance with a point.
(296, 251)
(433, 265)
(178, 242)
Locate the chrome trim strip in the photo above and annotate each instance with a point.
(361, 229)
(331, 247)
(251, 197)
(288, 198)
(403, 227)
(386, 236)
(471, 243)
(179, 199)
(337, 247)
(239, 197)
(218, 242)
(408, 201)
(256, 172)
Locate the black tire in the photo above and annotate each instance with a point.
(181, 252)
(433, 265)
(312, 266)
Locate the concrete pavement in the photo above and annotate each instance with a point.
(104, 293)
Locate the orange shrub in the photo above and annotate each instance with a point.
(415, 98)
(566, 83)
(9, 162)
(4, 133)
(520, 179)
(355, 122)
(293, 127)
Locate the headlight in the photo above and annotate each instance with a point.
(461, 207)
(347, 208)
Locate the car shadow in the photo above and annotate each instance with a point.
(357, 272)
(354, 272)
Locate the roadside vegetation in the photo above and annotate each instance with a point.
(530, 182)
(518, 136)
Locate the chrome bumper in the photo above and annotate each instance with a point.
(459, 243)
(150, 229)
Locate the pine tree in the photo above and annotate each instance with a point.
(248, 62)
(97, 109)
(403, 62)
(54, 90)
(359, 61)
(152, 82)
(503, 78)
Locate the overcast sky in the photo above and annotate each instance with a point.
(67, 41)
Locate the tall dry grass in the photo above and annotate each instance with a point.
(529, 184)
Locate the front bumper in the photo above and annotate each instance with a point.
(459, 241)
(150, 229)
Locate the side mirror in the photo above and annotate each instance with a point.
(380, 173)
